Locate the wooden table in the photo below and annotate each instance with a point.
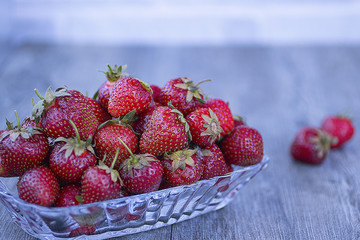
(277, 89)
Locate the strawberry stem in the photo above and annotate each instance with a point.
(115, 158)
(78, 140)
(207, 80)
(38, 94)
(17, 119)
(132, 155)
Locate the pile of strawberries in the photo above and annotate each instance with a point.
(131, 138)
(312, 144)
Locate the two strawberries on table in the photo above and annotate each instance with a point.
(132, 139)
(312, 145)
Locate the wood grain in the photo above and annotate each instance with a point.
(277, 89)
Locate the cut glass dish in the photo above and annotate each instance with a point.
(128, 215)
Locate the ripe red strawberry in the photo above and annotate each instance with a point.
(99, 112)
(156, 93)
(310, 145)
(5, 171)
(340, 128)
(28, 122)
(22, 149)
(243, 146)
(68, 196)
(238, 121)
(107, 142)
(183, 94)
(71, 157)
(39, 186)
(223, 112)
(166, 131)
(213, 162)
(204, 126)
(83, 230)
(100, 183)
(127, 95)
(182, 167)
(142, 118)
(141, 173)
(113, 75)
(57, 108)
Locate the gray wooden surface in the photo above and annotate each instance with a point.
(277, 89)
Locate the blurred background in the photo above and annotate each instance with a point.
(179, 22)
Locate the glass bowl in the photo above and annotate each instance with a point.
(126, 215)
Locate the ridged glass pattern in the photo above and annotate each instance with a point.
(127, 215)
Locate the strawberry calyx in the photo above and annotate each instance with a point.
(181, 119)
(212, 125)
(122, 120)
(322, 142)
(116, 73)
(45, 102)
(115, 176)
(75, 144)
(137, 161)
(15, 132)
(193, 91)
(181, 158)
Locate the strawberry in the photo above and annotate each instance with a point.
(142, 118)
(238, 121)
(71, 157)
(57, 108)
(127, 95)
(310, 145)
(340, 128)
(223, 112)
(243, 146)
(182, 167)
(113, 75)
(5, 171)
(39, 186)
(156, 93)
(107, 141)
(213, 162)
(204, 126)
(22, 148)
(87, 229)
(100, 183)
(141, 173)
(166, 131)
(183, 94)
(100, 113)
(68, 196)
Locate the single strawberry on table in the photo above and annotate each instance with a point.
(127, 95)
(223, 112)
(70, 157)
(107, 141)
(22, 148)
(141, 173)
(213, 162)
(166, 131)
(243, 146)
(182, 167)
(340, 128)
(311, 145)
(183, 94)
(39, 186)
(100, 183)
(57, 108)
(204, 126)
(113, 75)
